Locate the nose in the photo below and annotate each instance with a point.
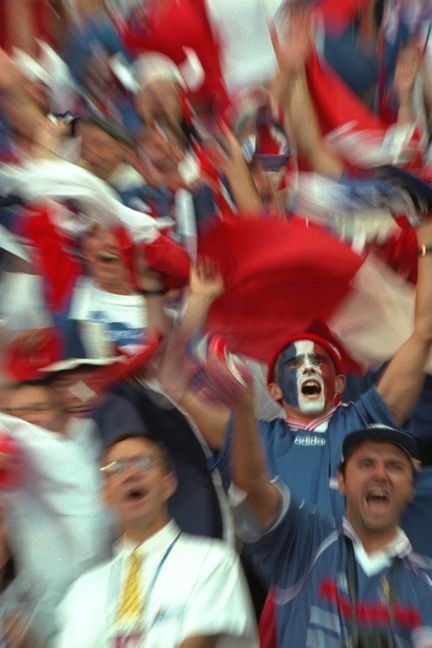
(380, 471)
(308, 367)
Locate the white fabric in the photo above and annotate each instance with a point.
(108, 319)
(369, 149)
(10, 243)
(58, 527)
(378, 316)
(22, 302)
(40, 180)
(242, 29)
(199, 590)
(366, 216)
(373, 563)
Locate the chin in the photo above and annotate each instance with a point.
(311, 408)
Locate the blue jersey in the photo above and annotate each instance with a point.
(307, 461)
(305, 558)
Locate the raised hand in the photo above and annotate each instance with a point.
(10, 76)
(206, 280)
(292, 41)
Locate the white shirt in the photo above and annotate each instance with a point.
(191, 586)
(108, 319)
(57, 524)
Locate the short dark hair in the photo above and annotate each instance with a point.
(167, 460)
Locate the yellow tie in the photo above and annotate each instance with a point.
(131, 602)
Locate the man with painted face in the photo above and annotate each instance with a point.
(306, 376)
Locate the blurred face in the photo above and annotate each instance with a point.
(68, 399)
(101, 250)
(267, 185)
(160, 100)
(138, 486)
(34, 404)
(160, 149)
(378, 485)
(101, 152)
(306, 378)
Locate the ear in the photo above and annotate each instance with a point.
(170, 484)
(339, 384)
(275, 391)
(341, 483)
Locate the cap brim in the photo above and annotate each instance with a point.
(380, 434)
(74, 363)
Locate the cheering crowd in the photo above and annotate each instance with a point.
(215, 323)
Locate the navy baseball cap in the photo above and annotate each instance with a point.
(380, 433)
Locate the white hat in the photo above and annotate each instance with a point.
(74, 363)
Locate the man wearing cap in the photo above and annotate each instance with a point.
(306, 376)
(357, 584)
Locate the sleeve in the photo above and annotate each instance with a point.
(220, 602)
(285, 552)
(371, 408)
(54, 470)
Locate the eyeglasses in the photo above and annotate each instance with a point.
(28, 409)
(118, 466)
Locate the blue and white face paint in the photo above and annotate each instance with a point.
(306, 376)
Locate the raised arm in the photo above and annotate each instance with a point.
(249, 471)
(401, 383)
(206, 284)
(290, 90)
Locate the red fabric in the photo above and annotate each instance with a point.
(167, 257)
(277, 281)
(334, 103)
(338, 14)
(12, 475)
(59, 268)
(267, 623)
(180, 25)
(400, 253)
(26, 365)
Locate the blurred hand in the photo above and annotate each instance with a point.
(10, 76)
(407, 67)
(206, 280)
(231, 380)
(148, 278)
(292, 43)
(28, 340)
(15, 630)
(226, 156)
(176, 369)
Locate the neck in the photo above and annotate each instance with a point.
(294, 413)
(121, 288)
(142, 532)
(374, 541)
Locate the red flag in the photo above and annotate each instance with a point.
(334, 102)
(338, 14)
(279, 277)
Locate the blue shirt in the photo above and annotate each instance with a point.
(305, 557)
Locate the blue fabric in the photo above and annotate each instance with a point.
(305, 557)
(356, 65)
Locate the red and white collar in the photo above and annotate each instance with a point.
(298, 424)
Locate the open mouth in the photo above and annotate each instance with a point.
(135, 495)
(377, 500)
(108, 257)
(311, 388)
